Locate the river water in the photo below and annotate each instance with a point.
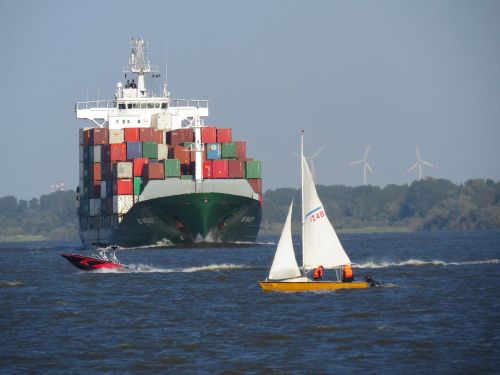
(193, 310)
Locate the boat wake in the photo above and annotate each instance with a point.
(418, 262)
(144, 268)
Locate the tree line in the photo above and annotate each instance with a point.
(425, 205)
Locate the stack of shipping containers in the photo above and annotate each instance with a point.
(115, 165)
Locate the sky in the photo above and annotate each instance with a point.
(389, 74)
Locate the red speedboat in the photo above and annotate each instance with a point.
(91, 263)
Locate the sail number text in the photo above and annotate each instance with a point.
(316, 216)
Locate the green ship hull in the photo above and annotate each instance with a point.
(183, 219)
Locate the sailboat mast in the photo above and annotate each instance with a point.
(302, 190)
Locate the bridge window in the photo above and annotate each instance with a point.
(121, 106)
(164, 105)
(129, 105)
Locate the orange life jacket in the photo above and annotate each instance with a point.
(348, 273)
(318, 273)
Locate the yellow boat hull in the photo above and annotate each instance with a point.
(304, 286)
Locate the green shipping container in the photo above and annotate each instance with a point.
(228, 150)
(138, 186)
(172, 168)
(150, 150)
(186, 177)
(253, 169)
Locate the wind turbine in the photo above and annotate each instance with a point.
(364, 161)
(311, 158)
(419, 164)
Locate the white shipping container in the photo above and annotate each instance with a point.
(123, 169)
(122, 203)
(95, 207)
(162, 152)
(95, 154)
(116, 136)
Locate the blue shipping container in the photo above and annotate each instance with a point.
(134, 150)
(213, 151)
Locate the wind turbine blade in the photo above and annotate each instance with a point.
(354, 162)
(295, 154)
(427, 163)
(418, 152)
(412, 167)
(317, 152)
(369, 168)
(366, 152)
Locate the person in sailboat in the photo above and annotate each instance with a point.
(318, 273)
(347, 274)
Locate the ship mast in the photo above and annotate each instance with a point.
(140, 64)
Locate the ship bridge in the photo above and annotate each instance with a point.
(134, 106)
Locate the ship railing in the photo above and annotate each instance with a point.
(95, 104)
(190, 103)
(109, 104)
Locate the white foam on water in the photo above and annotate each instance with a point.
(144, 268)
(418, 262)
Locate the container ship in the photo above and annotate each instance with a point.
(153, 173)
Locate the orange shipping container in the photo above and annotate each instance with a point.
(153, 171)
(207, 169)
(123, 186)
(181, 153)
(236, 169)
(224, 135)
(96, 173)
(99, 136)
(146, 135)
(241, 150)
(209, 134)
(220, 169)
(139, 165)
(158, 136)
(132, 135)
(117, 152)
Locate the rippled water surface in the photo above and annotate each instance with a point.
(193, 310)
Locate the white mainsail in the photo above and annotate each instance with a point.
(321, 246)
(284, 263)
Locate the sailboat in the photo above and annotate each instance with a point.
(320, 247)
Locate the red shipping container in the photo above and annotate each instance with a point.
(256, 184)
(181, 153)
(241, 150)
(86, 137)
(236, 169)
(95, 189)
(132, 134)
(209, 134)
(179, 136)
(117, 152)
(158, 136)
(220, 169)
(224, 135)
(207, 169)
(99, 136)
(95, 172)
(123, 186)
(138, 165)
(146, 135)
(153, 171)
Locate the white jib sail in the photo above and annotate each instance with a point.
(321, 246)
(284, 263)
